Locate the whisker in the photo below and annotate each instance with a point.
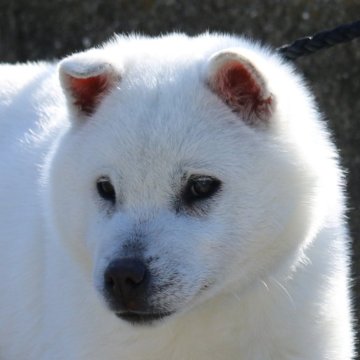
(285, 291)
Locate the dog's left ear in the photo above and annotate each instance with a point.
(86, 78)
(241, 86)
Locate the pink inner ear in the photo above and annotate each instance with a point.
(88, 91)
(242, 91)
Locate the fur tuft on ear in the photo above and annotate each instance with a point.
(239, 84)
(85, 79)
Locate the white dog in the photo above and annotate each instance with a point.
(170, 198)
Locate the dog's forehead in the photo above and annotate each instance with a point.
(170, 130)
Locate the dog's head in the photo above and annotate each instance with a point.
(181, 174)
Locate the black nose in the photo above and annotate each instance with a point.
(126, 282)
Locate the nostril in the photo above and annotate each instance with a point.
(109, 281)
(136, 277)
(131, 282)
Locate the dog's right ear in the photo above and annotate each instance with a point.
(86, 78)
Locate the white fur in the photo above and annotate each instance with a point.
(273, 247)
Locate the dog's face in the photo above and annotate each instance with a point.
(174, 181)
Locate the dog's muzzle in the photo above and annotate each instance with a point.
(127, 289)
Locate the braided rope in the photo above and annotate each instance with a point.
(321, 40)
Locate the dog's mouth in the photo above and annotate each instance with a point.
(138, 318)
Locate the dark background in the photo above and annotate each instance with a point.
(48, 29)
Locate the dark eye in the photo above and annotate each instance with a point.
(106, 189)
(201, 187)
